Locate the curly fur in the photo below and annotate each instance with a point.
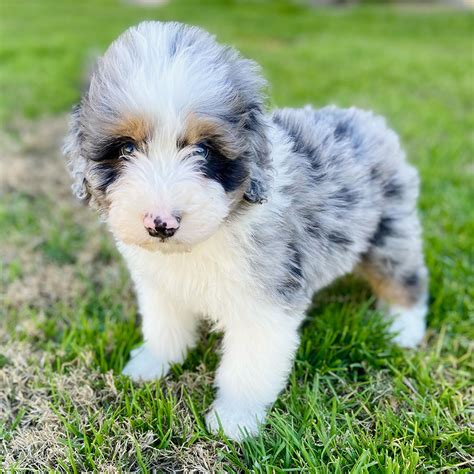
(276, 208)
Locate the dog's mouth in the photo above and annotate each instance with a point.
(165, 246)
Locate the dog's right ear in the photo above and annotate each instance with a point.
(72, 150)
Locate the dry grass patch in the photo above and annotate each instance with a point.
(42, 408)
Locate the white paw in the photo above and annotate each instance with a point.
(144, 366)
(237, 424)
(408, 325)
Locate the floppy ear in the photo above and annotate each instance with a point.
(259, 158)
(76, 163)
(257, 189)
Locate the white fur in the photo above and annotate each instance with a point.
(144, 365)
(408, 325)
(259, 339)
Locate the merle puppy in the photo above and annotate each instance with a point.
(226, 212)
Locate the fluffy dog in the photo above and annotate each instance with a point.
(223, 211)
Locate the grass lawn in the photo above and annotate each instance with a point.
(355, 402)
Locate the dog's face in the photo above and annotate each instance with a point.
(169, 140)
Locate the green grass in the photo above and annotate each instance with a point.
(354, 403)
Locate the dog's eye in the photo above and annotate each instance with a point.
(201, 150)
(128, 148)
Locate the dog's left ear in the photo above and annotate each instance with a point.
(257, 189)
(259, 158)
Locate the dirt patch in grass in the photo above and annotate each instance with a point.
(41, 289)
(42, 266)
(32, 162)
(42, 408)
(38, 434)
(41, 283)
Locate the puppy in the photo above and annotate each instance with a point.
(225, 212)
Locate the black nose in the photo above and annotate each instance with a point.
(163, 229)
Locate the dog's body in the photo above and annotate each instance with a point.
(244, 215)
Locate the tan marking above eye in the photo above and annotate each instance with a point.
(137, 128)
(198, 129)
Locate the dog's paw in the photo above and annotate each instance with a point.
(237, 424)
(408, 325)
(144, 366)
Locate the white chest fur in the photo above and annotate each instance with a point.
(213, 279)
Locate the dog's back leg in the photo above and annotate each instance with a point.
(395, 269)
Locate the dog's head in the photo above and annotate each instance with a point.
(169, 139)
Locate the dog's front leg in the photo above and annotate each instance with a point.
(169, 330)
(258, 353)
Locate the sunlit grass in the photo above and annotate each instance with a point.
(354, 403)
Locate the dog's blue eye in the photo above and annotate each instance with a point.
(201, 150)
(128, 148)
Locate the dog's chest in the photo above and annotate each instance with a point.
(210, 282)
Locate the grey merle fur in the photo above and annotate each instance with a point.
(351, 201)
(342, 196)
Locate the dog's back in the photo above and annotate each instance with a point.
(352, 201)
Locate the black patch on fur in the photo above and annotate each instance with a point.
(294, 280)
(345, 131)
(375, 174)
(255, 192)
(313, 226)
(111, 149)
(341, 130)
(339, 238)
(384, 229)
(252, 122)
(392, 189)
(299, 145)
(315, 230)
(230, 174)
(295, 262)
(230, 118)
(344, 198)
(414, 285)
(107, 173)
(411, 280)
